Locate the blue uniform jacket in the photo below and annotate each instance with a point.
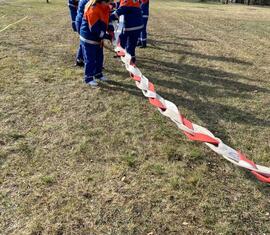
(132, 12)
(80, 13)
(95, 23)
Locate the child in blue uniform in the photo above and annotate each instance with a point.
(145, 13)
(92, 32)
(79, 17)
(73, 5)
(133, 25)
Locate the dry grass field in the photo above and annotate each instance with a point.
(74, 160)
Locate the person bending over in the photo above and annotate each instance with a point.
(133, 25)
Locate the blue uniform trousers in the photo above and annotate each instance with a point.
(143, 38)
(93, 61)
(79, 56)
(73, 13)
(128, 41)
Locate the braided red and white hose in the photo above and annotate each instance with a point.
(192, 131)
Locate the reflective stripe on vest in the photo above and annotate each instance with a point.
(89, 41)
(134, 28)
(72, 5)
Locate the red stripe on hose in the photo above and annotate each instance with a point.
(135, 78)
(198, 136)
(242, 157)
(260, 177)
(155, 102)
(186, 122)
(120, 53)
(202, 138)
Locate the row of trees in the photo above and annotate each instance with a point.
(248, 2)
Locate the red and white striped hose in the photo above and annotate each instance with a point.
(192, 131)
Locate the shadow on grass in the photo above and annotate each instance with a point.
(217, 84)
(172, 42)
(133, 90)
(220, 132)
(120, 86)
(193, 74)
(154, 43)
(262, 187)
(189, 78)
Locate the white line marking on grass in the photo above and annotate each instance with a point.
(24, 18)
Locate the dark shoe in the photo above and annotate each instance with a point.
(139, 43)
(143, 45)
(79, 63)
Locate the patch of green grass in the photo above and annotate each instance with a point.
(82, 147)
(48, 179)
(130, 159)
(175, 183)
(195, 153)
(197, 175)
(193, 179)
(156, 169)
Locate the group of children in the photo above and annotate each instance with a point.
(91, 19)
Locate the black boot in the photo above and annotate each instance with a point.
(139, 43)
(143, 44)
(79, 63)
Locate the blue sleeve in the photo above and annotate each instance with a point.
(80, 12)
(81, 6)
(78, 22)
(120, 11)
